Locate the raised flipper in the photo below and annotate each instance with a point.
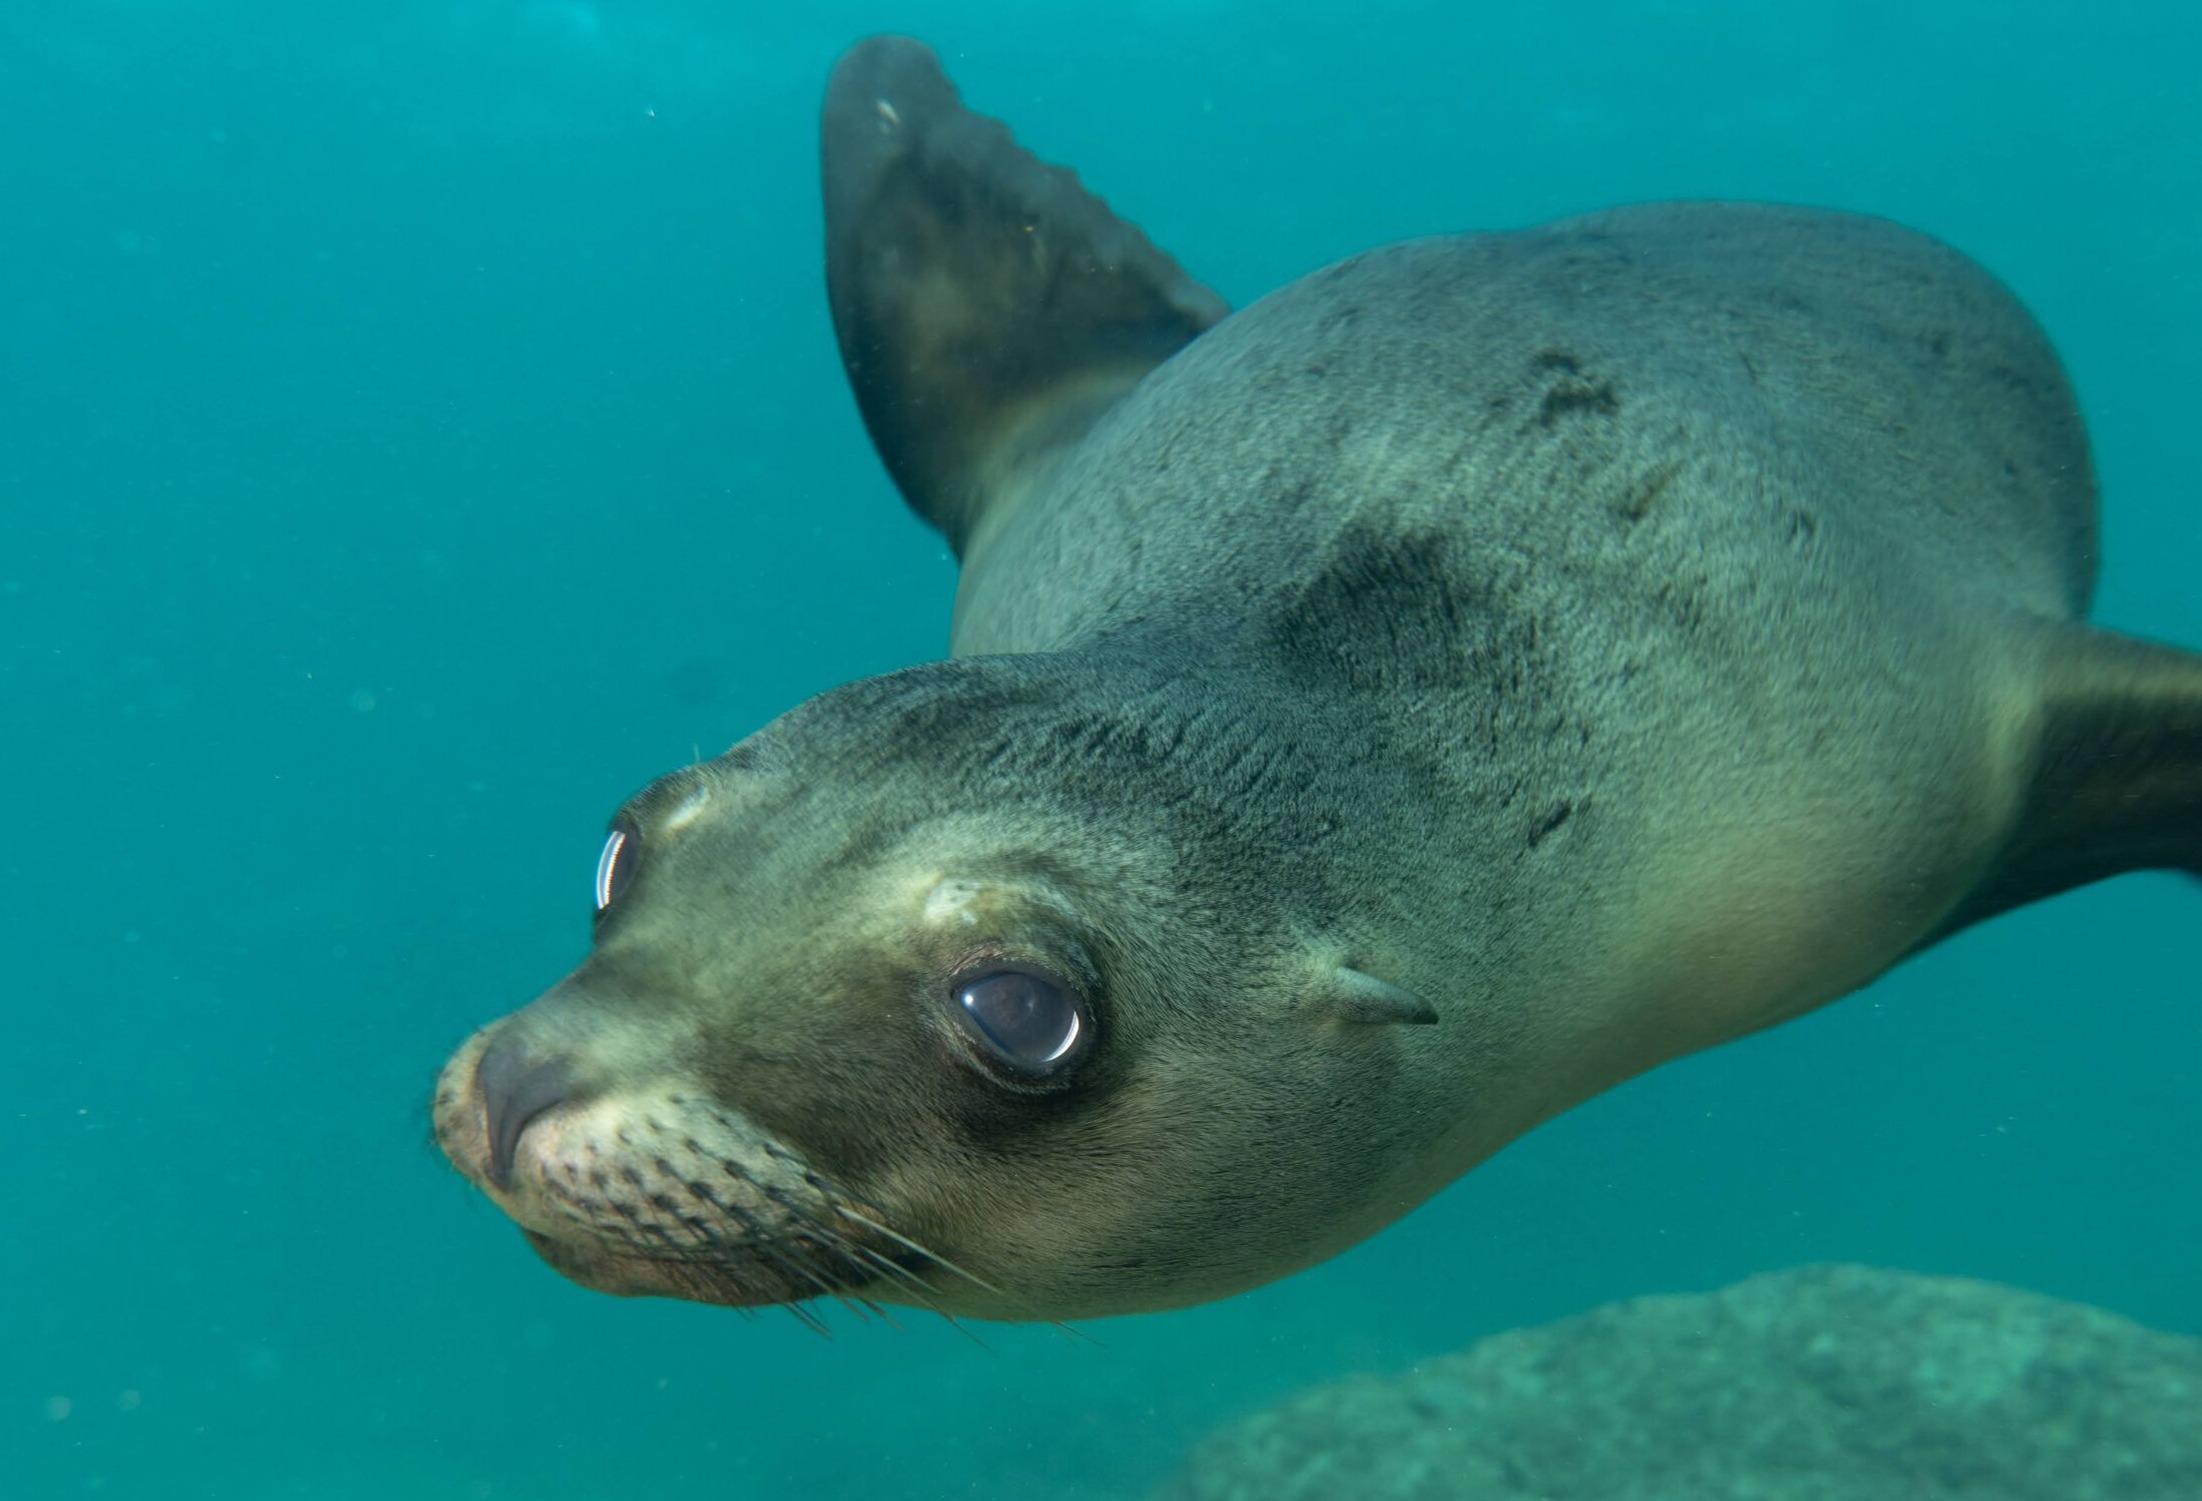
(2117, 776)
(989, 308)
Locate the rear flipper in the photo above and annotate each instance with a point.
(2117, 777)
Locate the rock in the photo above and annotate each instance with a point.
(1834, 1383)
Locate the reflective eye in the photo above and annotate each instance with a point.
(1028, 1019)
(614, 868)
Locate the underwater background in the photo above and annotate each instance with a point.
(420, 426)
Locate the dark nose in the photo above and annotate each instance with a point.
(517, 1086)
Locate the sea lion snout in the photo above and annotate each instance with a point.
(516, 1087)
(650, 1187)
(509, 1076)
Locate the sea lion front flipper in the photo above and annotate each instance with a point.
(2117, 775)
(989, 308)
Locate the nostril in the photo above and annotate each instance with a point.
(516, 1088)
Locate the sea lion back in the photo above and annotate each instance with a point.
(1626, 392)
(1872, 351)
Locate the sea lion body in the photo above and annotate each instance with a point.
(1379, 719)
(1568, 508)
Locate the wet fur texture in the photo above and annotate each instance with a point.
(1613, 637)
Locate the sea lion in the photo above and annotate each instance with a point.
(1379, 719)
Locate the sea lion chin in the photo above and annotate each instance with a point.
(1379, 719)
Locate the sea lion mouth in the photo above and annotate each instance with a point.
(712, 1225)
(752, 1274)
(666, 1193)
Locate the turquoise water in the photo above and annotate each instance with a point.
(419, 425)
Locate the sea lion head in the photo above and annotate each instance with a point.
(968, 988)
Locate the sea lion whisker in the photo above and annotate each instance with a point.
(846, 1245)
(796, 1211)
(801, 1268)
(856, 1251)
(791, 1259)
(837, 1197)
(764, 1242)
(909, 1279)
(911, 1282)
(809, 1319)
(841, 1201)
(798, 1268)
(918, 1288)
(964, 1329)
(930, 1255)
(881, 1314)
(922, 1291)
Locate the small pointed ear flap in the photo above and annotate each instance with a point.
(989, 308)
(1358, 997)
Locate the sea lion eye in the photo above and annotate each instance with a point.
(614, 868)
(1030, 1021)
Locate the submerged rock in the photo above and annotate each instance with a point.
(1822, 1384)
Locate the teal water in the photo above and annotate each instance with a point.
(419, 425)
